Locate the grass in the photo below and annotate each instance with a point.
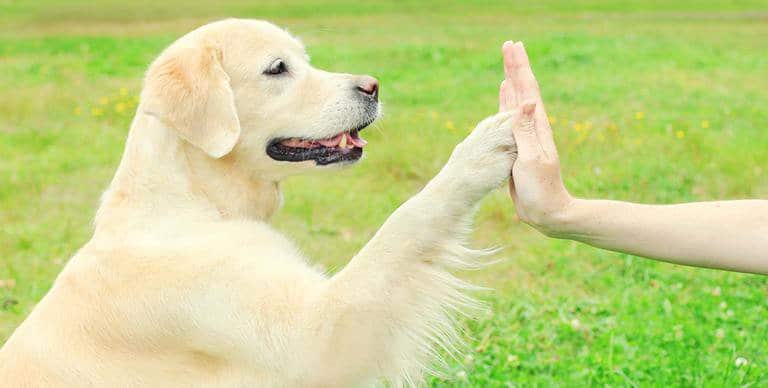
(651, 101)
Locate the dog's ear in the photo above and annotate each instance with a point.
(188, 90)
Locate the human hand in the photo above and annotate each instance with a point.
(536, 187)
(721, 234)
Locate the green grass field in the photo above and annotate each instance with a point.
(651, 101)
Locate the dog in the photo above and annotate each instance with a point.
(185, 284)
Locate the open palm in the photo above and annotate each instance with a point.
(536, 185)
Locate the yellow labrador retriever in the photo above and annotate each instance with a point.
(185, 284)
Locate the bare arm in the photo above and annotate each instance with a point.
(731, 235)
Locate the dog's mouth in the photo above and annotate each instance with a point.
(344, 147)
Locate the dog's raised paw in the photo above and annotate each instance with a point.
(484, 159)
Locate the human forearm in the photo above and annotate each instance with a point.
(729, 235)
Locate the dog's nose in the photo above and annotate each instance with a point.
(368, 86)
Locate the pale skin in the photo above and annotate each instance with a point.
(728, 235)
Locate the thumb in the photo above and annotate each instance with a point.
(525, 137)
(507, 98)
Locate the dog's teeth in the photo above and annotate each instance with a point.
(343, 142)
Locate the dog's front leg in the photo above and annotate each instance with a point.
(390, 312)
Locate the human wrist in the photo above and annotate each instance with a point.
(560, 222)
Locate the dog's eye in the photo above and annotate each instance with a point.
(277, 67)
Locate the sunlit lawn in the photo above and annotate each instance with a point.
(652, 105)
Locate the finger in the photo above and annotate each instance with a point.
(507, 98)
(507, 54)
(522, 75)
(528, 89)
(523, 79)
(528, 145)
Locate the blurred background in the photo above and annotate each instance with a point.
(651, 101)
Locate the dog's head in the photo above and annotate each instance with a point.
(245, 90)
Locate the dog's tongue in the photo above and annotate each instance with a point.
(342, 140)
(355, 139)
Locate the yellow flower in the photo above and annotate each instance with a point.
(612, 127)
(120, 107)
(96, 112)
(123, 91)
(434, 114)
(705, 124)
(639, 115)
(578, 127)
(552, 119)
(449, 124)
(78, 111)
(680, 134)
(103, 101)
(136, 99)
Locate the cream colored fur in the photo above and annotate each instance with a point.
(185, 284)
